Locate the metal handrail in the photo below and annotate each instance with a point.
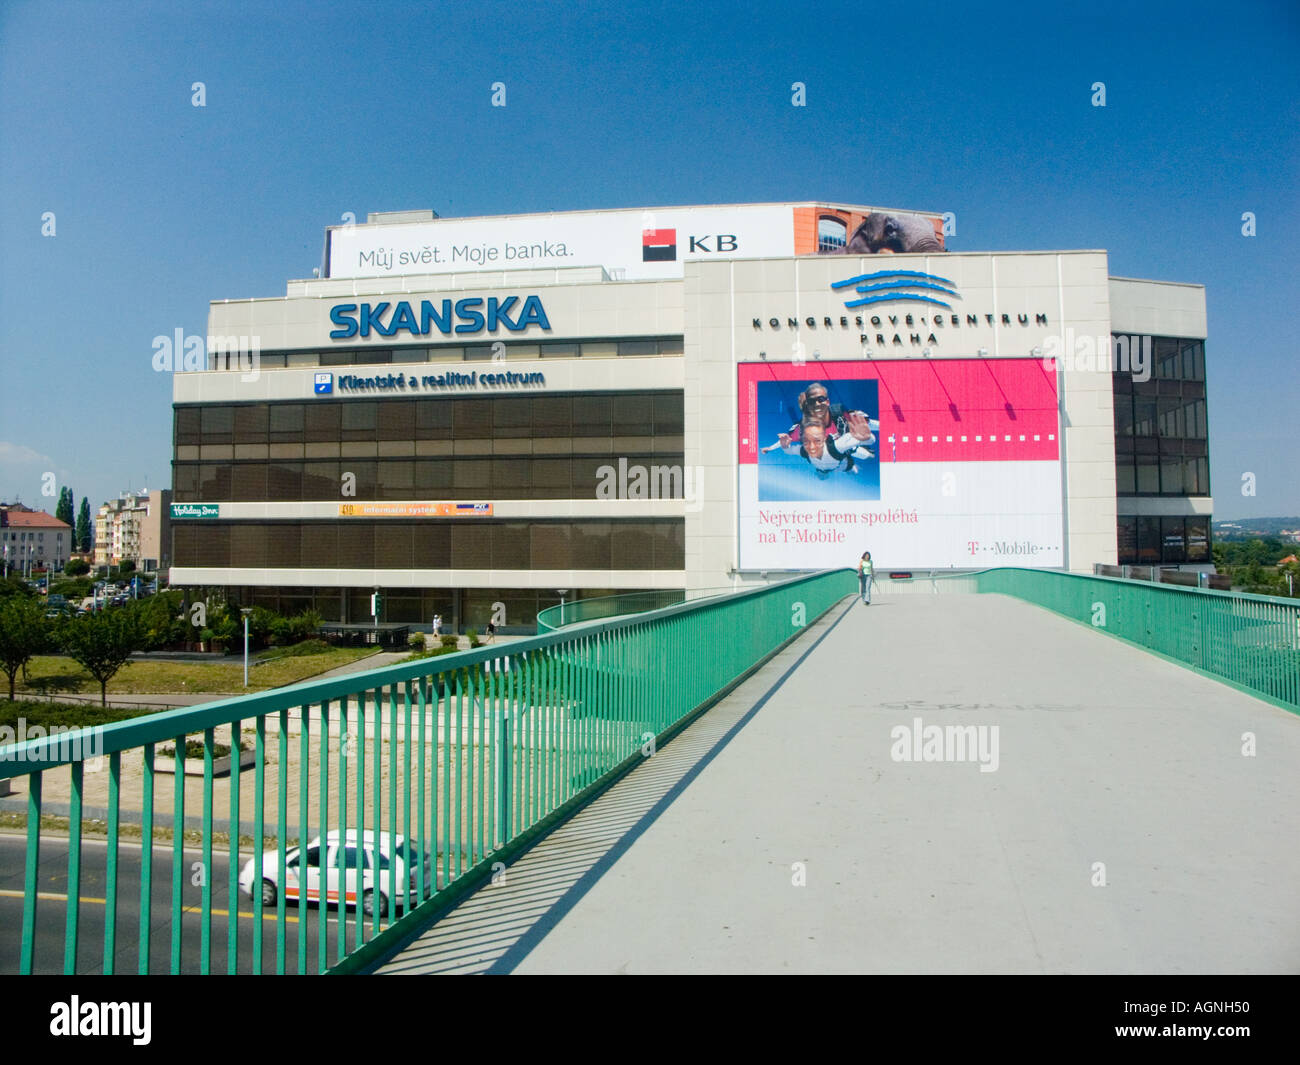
(469, 756)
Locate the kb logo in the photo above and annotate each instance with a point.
(722, 242)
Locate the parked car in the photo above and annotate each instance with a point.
(376, 854)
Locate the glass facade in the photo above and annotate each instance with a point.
(1161, 427)
(1162, 449)
(470, 543)
(525, 447)
(1148, 540)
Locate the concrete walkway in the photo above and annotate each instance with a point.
(1123, 830)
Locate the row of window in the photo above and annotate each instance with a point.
(569, 349)
(19, 537)
(1171, 359)
(504, 477)
(1163, 468)
(459, 418)
(1162, 540)
(515, 609)
(472, 544)
(1161, 415)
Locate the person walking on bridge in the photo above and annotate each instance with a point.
(866, 575)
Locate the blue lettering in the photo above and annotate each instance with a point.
(497, 310)
(533, 314)
(473, 319)
(371, 316)
(469, 311)
(342, 317)
(428, 317)
(404, 318)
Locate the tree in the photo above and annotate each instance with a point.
(125, 567)
(64, 510)
(102, 644)
(24, 632)
(14, 585)
(162, 619)
(85, 531)
(76, 567)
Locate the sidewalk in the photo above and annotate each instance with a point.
(1122, 830)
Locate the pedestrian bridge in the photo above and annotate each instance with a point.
(1006, 771)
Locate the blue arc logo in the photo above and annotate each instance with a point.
(876, 289)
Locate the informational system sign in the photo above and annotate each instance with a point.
(924, 463)
(415, 510)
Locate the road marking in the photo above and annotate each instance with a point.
(47, 895)
(50, 896)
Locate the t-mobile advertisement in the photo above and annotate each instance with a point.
(924, 463)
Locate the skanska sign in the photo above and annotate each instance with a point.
(470, 315)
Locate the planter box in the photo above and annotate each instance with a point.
(166, 763)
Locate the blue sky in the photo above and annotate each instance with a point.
(315, 109)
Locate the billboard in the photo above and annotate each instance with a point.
(924, 463)
(826, 230)
(630, 244)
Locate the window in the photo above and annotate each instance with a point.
(351, 858)
(1173, 545)
(286, 422)
(1126, 539)
(359, 420)
(832, 234)
(217, 425)
(187, 425)
(560, 351)
(638, 347)
(1148, 540)
(251, 424)
(397, 420)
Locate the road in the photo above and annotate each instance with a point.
(51, 913)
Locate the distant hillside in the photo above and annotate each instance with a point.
(1261, 528)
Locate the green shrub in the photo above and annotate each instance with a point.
(415, 641)
(449, 640)
(297, 650)
(194, 749)
(473, 637)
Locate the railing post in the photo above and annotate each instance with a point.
(503, 775)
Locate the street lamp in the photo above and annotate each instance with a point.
(562, 592)
(245, 610)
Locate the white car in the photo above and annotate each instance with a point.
(374, 857)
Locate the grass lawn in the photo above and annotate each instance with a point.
(53, 674)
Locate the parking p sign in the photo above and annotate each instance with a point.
(324, 384)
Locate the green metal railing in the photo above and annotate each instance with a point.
(1250, 641)
(613, 606)
(467, 756)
